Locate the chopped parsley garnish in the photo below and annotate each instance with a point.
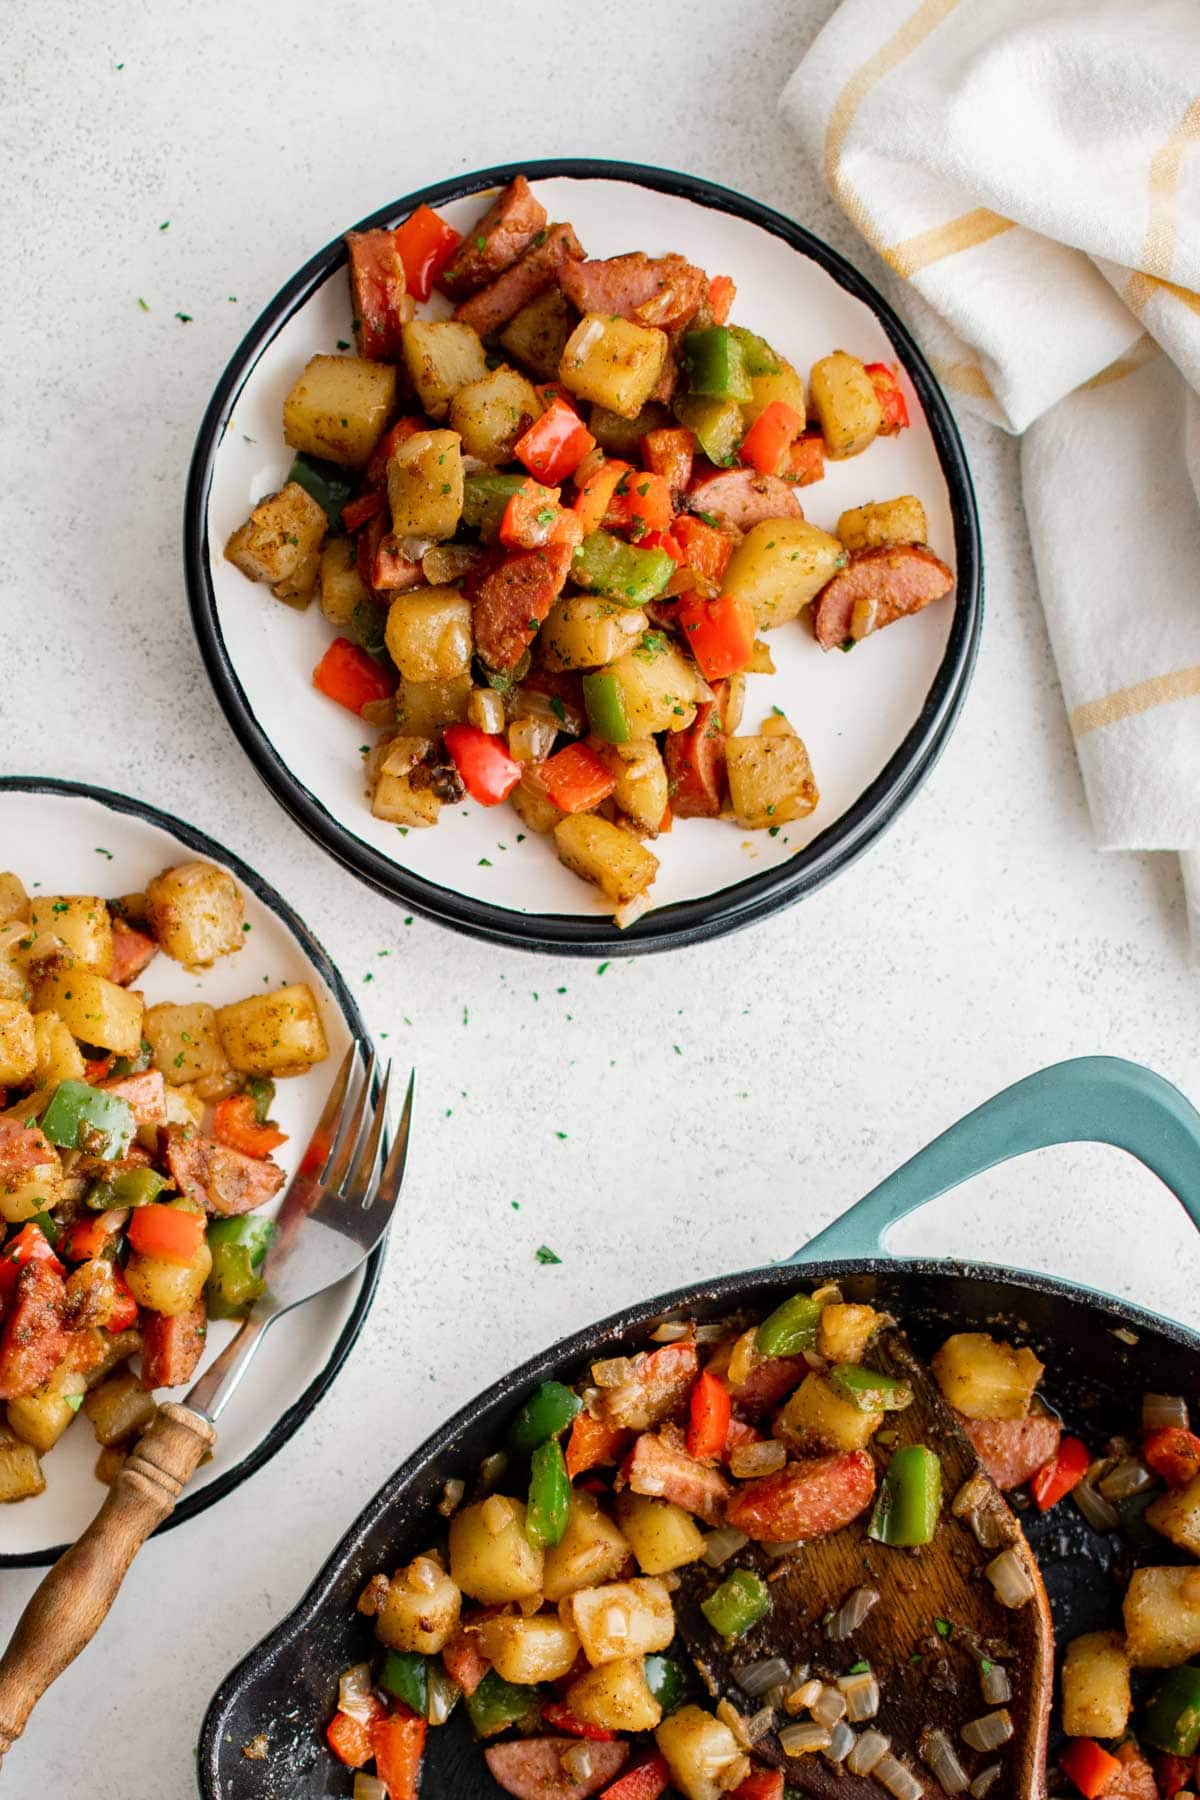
(944, 1628)
(184, 318)
(559, 710)
(709, 519)
(544, 1254)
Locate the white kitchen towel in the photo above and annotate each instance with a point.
(1032, 169)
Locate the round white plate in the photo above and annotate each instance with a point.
(873, 721)
(65, 838)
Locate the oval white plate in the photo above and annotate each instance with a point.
(873, 721)
(70, 839)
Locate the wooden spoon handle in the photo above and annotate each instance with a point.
(68, 1608)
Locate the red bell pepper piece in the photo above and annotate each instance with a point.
(89, 1236)
(1173, 1774)
(29, 1245)
(663, 540)
(892, 403)
(576, 779)
(398, 1740)
(125, 1308)
(1089, 1766)
(647, 504)
(350, 1738)
(593, 1443)
(720, 633)
(534, 518)
(234, 1124)
(594, 498)
(767, 1784)
(722, 290)
(556, 444)
(351, 677)
(426, 243)
(1174, 1454)
(805, 461)
(645, 1781)
(488, 772)
(1055, 1479)
(357, 512)
(709, 1412)
(97, 1070)
(162, 1231)
(670, 451)
(765, 445)
(556, 1714)
(705, 549)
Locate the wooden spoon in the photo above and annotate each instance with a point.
(937, 1615)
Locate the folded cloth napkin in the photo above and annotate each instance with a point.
(1032, 169)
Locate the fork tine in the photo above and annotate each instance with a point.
(364, 1174)
(342, 1155)
(392, 1179)
(320, 1144)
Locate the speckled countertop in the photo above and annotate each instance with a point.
(654, 1121)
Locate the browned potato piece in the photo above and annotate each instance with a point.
(82, 922)
(1162, 1617)
(770, 780)
(622, 1618)
(280, 536)
(393, 795)
(274, 1034)
(533, 805)
(18, 1043)
(490, 1556)
(20, 1471)
(14, 901)
(195, 912)
(169, 1287)
(441, 356)
(846, 404)
(342, 589)
(1177, 1515)
(94, 1010)
(429, 634)
(184, 1041)
(585, 631)
(537, 336)
(421, 1609)
(527, 1651)
(844, 1331)
(492, 413)
(985, 1379)
(642, 789)
(662, 1535)
(616, 1697)
(339, 408)
(118, 1408)
(779, 566)
(59, 1057)
(423, 707)
(613, 362)
(785, 385)
(1096, 1700)
(817, 1421)
(700, 1751)
(425, 485)
(600, 852)
(592, 1550)
(899, 521)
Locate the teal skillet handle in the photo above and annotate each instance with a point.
(1093, 1099)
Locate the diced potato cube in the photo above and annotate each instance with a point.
(879, 522)
(424, 707)
(985, 1379)
(40, 1419)
(526, 1651)
(166, 1286)
(844, 1331)
(613, 362)
(537, 336)
(492, 413)
(274, 1034)
(14, 901)
(785, 385)
(598, 851)
(642, 789)
(491, 1559)
(584, 632)
(1162, 1617)
(533, 805)
(441, 356)
(57, 1055)
(615, 1697)
(658, 686)
(1177, 1515)
(195, 912)
(429, 635)
(779, 566)
(425, 485)
(82, 922)
(18, 1043)
(592, 1550)
(93, 1008)
(770, 780)
(20, 1471)
(622, 1618)
(118, 1408)
(817, 1421)
(394, 796)
(342, 589)
(662, 1535)
(184, 1042)
(1096, 1700)
(279, 536)
(698, 1750)
(421, 1609)
(845, 403)
(339, 408)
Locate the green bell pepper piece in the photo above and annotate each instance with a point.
(910, 1499)
(80, 1117)
(405, 1674)
(135, 1187)
(757, 355)
(239, 1248)
(605, 705)
(603, 564)
(717, 425)
(365, 627)
(547, 1412)
(261, 1090)
(134, 1065)
(666, 1681)
(496, 1704)
(868, 1389)
(549, 1496)
(1172, 1720)
(715, 364)
(792, 1327)
(740, 1602)
(328, 484)
(47, 1226)
(485, 497)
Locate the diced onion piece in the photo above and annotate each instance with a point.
(729, 1715)
(971, 1496)
(757, 1677)
(802, 1697)
(613, 1371)
(1161, 1411)
(492, 1470)
(828, 1707)
(495, 1514)
(630, 911)
(413, 549)
(368, 1787)
(578, 1762)
(851, 1613)
(743, 1360)
(731, 1775)
(447, 562)
(485, 709)
(984, 1782)
(760, 1723)
(452, 1497)
(841, 1742)
(723, 1543)
(900, 1782)
(939, 1755)
(1100, 1513)
(862, 1696)
(985, 1512)
(671, 1331)
(994, 1683)
(1010, 1579)
(989, 1732)
(866, 1752)
(354, 1692)
(749, 1460)
(425, 1575)
(531, 740)
(828, 1294)
(1129, 1477)
(711, 1334)
(775, 1551)
(528, 703)
(803, 1740)
(615, 1622)
(863, 618)
(444, 1694)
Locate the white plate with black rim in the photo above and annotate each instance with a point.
(68, 838)
(874, 722)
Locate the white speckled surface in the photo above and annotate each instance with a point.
(719, 1105)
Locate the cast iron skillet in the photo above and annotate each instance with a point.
(1100, 1353)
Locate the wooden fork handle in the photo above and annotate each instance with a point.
(73, 1600)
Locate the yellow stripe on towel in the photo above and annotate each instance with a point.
(1159, 690)
(964, 233)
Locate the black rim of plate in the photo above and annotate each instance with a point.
(1111, 1313)
(289, 1421)
(685, 921)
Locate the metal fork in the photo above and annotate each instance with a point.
(337, 1208)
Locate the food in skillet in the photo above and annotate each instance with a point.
(550, 529)
(559, 1590)
(135, 1146)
